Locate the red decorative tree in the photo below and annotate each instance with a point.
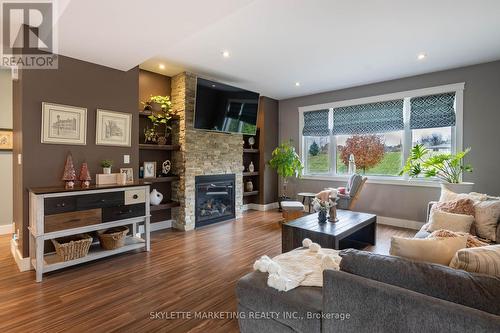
(69, 175)
(85, 175)
(368, 150)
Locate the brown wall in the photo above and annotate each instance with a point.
(152, 84)
(269, 137)
(75, 83)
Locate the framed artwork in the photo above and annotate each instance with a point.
(129, 172)
(6, 139)
(149, 169)
(113, 128)
(64, 124)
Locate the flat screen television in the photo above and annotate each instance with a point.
(223, 108)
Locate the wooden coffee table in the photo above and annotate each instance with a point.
(353, 229)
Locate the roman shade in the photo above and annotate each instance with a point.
(369, 118)
(433, 111)
(316, 123)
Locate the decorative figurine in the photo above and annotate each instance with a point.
(251, 167)
(249, 186)
(69, 175)
(85, 176)
(251, 141)
(165, 167)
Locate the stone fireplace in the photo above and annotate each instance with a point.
(214, 200)
(202, 153)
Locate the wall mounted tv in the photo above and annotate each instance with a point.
(224, 108)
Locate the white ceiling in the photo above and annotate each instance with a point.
(324, 44)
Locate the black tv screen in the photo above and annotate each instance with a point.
(224, 108)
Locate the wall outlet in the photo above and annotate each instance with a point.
(19, 159)
(126, 159)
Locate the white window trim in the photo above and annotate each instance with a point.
(457, 131)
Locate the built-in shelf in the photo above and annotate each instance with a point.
(165, 179)
(148, 113)
(145, 146)
(164, 205)
(53, 262)
(247, 174)
(250, 150)
(248, 194)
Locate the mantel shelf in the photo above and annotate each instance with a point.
(145, 146)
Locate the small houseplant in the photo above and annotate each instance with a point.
(106, 166)
(287, 164)
(159, 118)
(446, 167)
(322, 207)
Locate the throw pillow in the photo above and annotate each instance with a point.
(449, 221)
(484, 260)
(460, 206)
(435, 250)
(447, 195)
(472, 241)
(487, 216)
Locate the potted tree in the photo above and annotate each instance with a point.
(160, 107)
(287, 164)
(446, 167)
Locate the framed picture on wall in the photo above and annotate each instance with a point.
(129, 172)
(149, 169)
(6, 139)
(113, 128)
(64, 124)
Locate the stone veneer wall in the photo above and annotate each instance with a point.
(201, 153)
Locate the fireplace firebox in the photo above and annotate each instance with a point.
(215, 199)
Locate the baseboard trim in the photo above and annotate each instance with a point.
(167, 224)
(23, 264)
(402, 223)
(259, 207)
(6, 229)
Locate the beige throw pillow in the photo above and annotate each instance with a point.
(487, 215)
(485, 259)
(447, 195)
(449, 221)
(435, 250)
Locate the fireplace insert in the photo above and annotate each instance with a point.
(215, 199)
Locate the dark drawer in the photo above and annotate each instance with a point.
(59, 205)
(123, 212)
(72, 220)
(99, 200)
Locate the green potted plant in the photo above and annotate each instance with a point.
(446, 167)
(106, 166)
(161, 114)
(287, 164)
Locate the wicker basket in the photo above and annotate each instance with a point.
(72, 247)
(113, 238)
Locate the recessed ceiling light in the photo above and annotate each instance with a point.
(213, 85)
(225, 54)
(297, 84)
(421, 56)
(161, 66)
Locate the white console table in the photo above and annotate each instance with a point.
(57, 212)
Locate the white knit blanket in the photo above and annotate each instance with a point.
(300, 267)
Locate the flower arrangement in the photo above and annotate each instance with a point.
(322, 207)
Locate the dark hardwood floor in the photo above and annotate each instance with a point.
(185, 271)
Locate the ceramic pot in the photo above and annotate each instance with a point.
(155, 197)
(106, 171)
(322, 216)
(249, 186)
(464, 187)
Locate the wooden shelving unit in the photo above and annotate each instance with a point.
(250, 150)
(166, 179)
(164, 205)
(248, 173)
(145, 146)
(250, 194)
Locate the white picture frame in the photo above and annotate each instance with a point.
(130, 174)
(63, 124)
(149, 170)
(113, 128)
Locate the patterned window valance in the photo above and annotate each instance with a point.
(432, 111)
(377, 117)
(316, 123)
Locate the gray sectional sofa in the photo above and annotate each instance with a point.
(374, 293)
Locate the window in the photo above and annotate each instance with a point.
(379, 131)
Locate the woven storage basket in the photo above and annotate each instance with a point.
(72, 247)
(113, 238)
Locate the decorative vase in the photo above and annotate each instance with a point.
(464, 187)
(322, 216)
(155, 197)
(162, 140)
(106, 171)
(249, 186)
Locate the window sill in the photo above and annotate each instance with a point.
(378, 180)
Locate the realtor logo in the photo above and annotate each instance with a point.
(28, 38)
